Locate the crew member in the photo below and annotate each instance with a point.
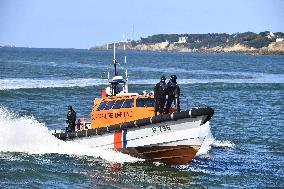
(70, 119)
(173, 92)
(160, 95)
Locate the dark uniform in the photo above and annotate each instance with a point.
(160, 95)
(173, 92)
(70, 119)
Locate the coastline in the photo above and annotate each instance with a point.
(273, 48)
(247, 42)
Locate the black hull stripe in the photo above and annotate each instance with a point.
(192, 113)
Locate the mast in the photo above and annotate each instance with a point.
(114, 60)
(124, 42)
(126, 76)
(118, 84)
(124, 48)
(107, 67)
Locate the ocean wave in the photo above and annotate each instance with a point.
(18, 83)
(7, 84)
(27, 135)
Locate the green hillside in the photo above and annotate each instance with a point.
(249, 39)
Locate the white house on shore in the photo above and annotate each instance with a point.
(270, 35)
(182, 39)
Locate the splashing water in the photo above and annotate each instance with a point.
(25, 134)
(210, 141)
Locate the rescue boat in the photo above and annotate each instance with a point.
(126, 122)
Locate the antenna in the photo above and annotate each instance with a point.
(124, 48)
(107, 74)
(107, 67)
(114, 60)
(126, 76)
(123, 42)
(133, 32)
(113, 51)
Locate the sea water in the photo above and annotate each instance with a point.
(245, 148)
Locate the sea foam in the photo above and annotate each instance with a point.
(23, 83)
(19, 83)
(211, 141)
(27, 135)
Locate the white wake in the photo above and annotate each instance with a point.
(210, 141)
(25, 134)
(21, 83)
(18, 83)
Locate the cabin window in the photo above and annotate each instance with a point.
(128, 103)
(109, 105)
(102, 105)
(144, 102)
(118, 104)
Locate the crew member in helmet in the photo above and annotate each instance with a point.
(160, 95)
(173, 92)
(70, 119)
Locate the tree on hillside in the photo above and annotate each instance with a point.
(209, 40)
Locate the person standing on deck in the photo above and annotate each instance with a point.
(173, 92)
(160, 95)
(70, 119)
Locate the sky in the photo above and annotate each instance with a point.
(84, 23)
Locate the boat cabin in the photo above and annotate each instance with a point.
(118, 106)
(121, 108)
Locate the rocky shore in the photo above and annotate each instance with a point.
(273, 48)
(263, 43)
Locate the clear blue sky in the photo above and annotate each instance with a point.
(83, 23)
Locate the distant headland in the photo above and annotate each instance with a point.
(248, 42)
